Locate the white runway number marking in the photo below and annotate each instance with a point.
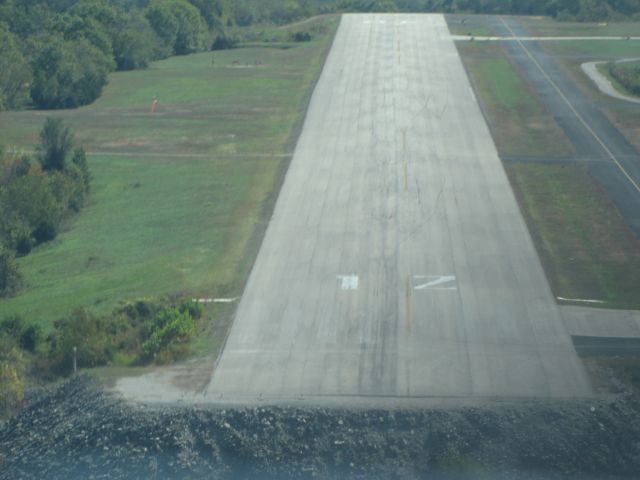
(434, 282)
(348, 282)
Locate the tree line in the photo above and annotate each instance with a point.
(578, 10)
(58, 53)
(246, 12)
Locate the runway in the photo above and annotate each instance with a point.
(396, 264)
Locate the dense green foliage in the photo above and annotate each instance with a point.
(57, 53)
(10, 277)
(15, 72)
(583, 10)
(628, 75)
(141, 331)
(35, 198)
(246, 12)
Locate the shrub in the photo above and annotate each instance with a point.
(627, 75)
(56, 142)
(302, 37)
(12, 365)
(223, 42)
(87, 333)
(10, 276)
(171, 330)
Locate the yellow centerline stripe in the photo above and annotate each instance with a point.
(407, 303)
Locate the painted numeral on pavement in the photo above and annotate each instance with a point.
(348, 282)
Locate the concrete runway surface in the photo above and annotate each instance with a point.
(397, 264)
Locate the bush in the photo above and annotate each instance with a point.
(56, 142)
(10, 277)
(302, 37)
(30, 338)
(171, 330)
(68, 74)
(223, 43)
(84, 331)
(27, 337)
(12, 366)
(36, 199)
(627, 75)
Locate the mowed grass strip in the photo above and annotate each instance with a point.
(548, 27)
(180, 221)
(587, 249)
(591, 50)
(519, 122)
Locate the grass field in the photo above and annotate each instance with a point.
(179, 197)
(594, 49)
(519, 122)
(586, 247)
(548, 27)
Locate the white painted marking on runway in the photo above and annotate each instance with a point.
(581, 300)
(435, 282)
(348, 282)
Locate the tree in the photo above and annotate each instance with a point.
(179, 24)
(35, 199)
(56, 142)
(84, 331)
(210, 10)
(68, 74)
(10, 277)
(137, 44)
(15, 73)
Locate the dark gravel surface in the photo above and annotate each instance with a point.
(74, 430)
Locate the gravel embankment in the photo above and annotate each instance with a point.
(75, 431)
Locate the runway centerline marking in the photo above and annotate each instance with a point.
(407, 303)
(435, 282)
(348, 282)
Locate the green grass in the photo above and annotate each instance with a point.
(472, 25)
(519, 122)
(586, 247)
(586, 50)
(548, 27)
(605, 69)
(178, 196)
